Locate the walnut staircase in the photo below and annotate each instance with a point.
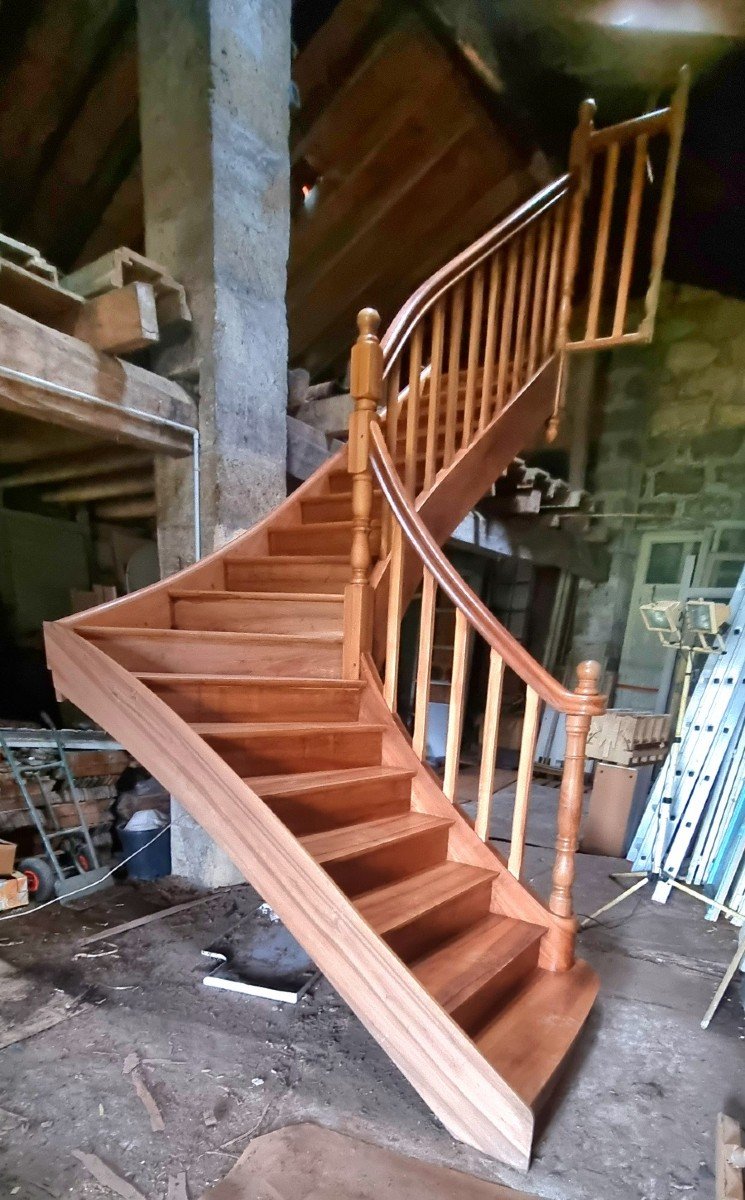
(248, 684)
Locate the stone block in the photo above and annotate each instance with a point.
(680, 418)
(731, 474)
(719, 443)
(660, 509)
(673, 328)
(685, 481)
(659, 450)
(717, 383)
(690, 355)
(709, 508)
(730, 416)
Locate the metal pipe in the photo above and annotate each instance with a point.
(60, 389)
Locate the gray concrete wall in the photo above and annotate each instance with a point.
(670, 445)
(214, 115)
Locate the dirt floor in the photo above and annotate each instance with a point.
(633, 1117)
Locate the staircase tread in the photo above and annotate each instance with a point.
(348, 841)
(454, 972)
(228, 594)
(323, 526)
(199, 635)
(246, 728)
(394, 905)
(262, 681)
(291, 559)
(276, 785)
(532, 1034)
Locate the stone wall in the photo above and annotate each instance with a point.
(668, 445)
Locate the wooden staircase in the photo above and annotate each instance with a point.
(248, 684)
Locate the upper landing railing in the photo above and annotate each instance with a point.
(460, 351)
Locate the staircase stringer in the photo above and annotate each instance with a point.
(470, 1098)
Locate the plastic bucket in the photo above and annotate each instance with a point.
(153, 860)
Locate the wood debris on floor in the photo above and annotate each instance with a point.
(307, 1162)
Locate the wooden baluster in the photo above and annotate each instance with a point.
(395, 616)
(392, 388)
(526, 276)
(435, 380)
(580, 165)
(474, 344)
(508, 314)
(632, 229)
(456, 333)
(662, 227)
(538, 294)
(568, 823)
(393, 407)
(490, 342)
(424, 664)
(489, 744)
(524, 780)
(412, 409)
(601, 246)
(554, 273)
(457, 704)
(366, 386)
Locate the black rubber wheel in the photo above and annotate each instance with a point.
(41, 879)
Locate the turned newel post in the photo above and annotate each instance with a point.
(568, 819)
(366, 386)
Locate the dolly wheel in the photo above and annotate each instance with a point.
(41, 879)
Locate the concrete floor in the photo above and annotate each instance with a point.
(633, 1117)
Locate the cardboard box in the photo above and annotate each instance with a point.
(7, 857)
(13, 891)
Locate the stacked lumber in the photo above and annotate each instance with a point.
(119, 304)
(693, 828)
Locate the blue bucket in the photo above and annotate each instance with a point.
(154, 859)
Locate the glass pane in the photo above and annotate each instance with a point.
(731, 541)
(665, 562)
(726, 573)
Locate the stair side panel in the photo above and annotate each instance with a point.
(440, 1062)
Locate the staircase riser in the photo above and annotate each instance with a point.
(245, 577)
(332, 508)
(333, 541)
(317, 811)
(389, 863)
(268, 755)
(472, 1014)
(244, 703)
(206, 658)
(251, 616)
(423, 934)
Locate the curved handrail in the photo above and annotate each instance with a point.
(429, 292)
(476, 612)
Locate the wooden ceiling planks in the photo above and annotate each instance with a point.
(411, 167)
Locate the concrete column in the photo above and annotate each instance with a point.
(214, 93)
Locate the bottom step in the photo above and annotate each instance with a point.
(533, 1033)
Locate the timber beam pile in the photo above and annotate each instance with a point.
(119, 304)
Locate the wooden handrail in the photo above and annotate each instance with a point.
(430, 291)
(454, 586)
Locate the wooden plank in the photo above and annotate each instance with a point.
(395, 616)
(118, 322)
(630, 236)
(113, 931)
(256, 612)
(75, 466)
(124, 483)
(434, 393)
(524, 780)
(504, 384)
(492, 308)
(36, 297)
(240, 697)
(105, 1176)
(126, 510)
(35, 354)
(601, 243)
(453, 380)
(474, 345)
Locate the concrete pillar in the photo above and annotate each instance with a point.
(214, 93)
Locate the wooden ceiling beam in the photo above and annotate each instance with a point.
(85, 464)
(118, 483)
(132, 396)
(50, 73)
(126, 510)
(61, 199)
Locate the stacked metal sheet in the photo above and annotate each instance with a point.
(693, 828)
